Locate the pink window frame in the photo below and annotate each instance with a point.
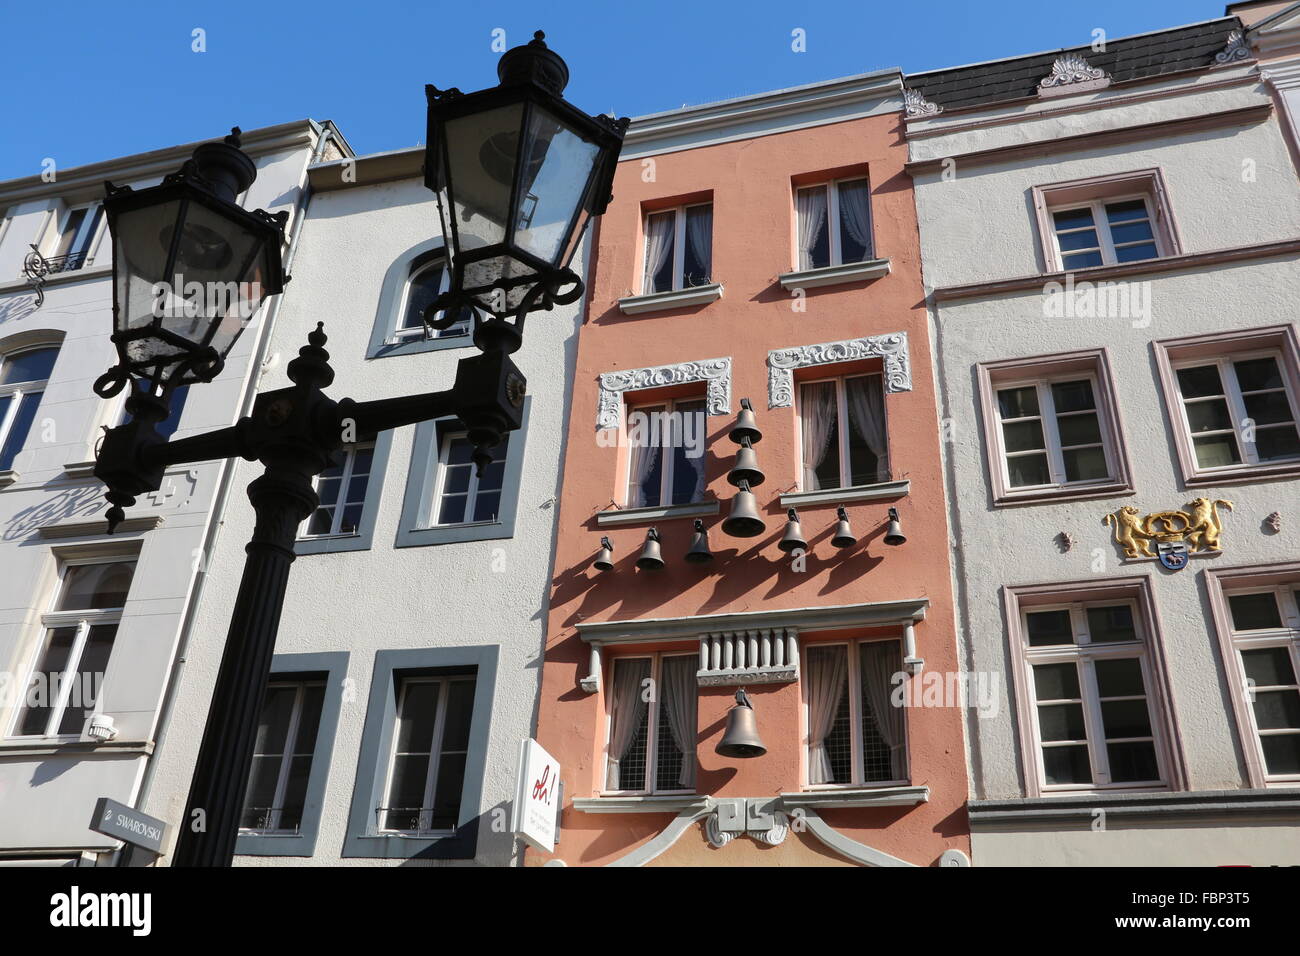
(1146, 183)
(1171, 353)
(1135, 590)
(1092, 363)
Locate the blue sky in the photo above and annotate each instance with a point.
(84, 81)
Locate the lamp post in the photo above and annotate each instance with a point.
(518, 173)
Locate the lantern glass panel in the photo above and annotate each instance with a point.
(482, 150)
(557, 164)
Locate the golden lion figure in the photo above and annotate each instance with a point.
(1130, 533)
(1204, 526)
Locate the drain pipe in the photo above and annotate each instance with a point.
(224, 484)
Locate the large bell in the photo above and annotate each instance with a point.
(651, 559)
(605, 560)
(793, 539)
(843, 533)
(746, 467)
(746, 426)
(744, 522)
(741, 738)
(699, 553)
(894, 535)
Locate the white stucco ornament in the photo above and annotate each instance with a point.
(917, 105)
(1238, 49)
(714, 373)
(890, 348)
(1072, 73)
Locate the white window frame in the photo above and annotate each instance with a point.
(433, 505)
(1051, 432)
(652, 727)
(435, 755)
(419, 331)
(679, 244)
(669, 405)
(832, 187)
(1102, 225)
(286, 759)
(16, 390)
(842, 427)
(82, 621)
(1083, 653)
(87, 238)
(1287, 596)
(345, 479)
(857, 776)
(1236, 407)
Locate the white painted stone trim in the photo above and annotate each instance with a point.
(672, 299)
(757, 656)
(834, 496)
(835, 275)
(891, 347)
(858, 797)
(714, 373)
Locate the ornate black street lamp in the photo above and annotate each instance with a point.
(190, 268)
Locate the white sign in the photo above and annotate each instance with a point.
(538, 797)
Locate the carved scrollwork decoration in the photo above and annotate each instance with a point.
(714, 373)
(891, 348)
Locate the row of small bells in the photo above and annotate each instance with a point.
(744, 520)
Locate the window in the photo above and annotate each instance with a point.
(1238, 409)
(342, 491)
(834, 223)
(460, 495)
(282, 756)
(1105, 221)
(666, 456)
(844, 432)
(78, 234)
(23, 377)
(68, 675)
(1265, 631)
(1051, 434)
(856, 735)
(430, 747)
(1089, 675)
(678, 248)
(427, 282)
(167, 427)
(652, 725)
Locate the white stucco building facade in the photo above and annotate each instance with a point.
(1129, 731)
(111, 610)
(409, 653)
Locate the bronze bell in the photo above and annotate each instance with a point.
(651, 559)
(746, 426)
(741, 738)
(746, 467)
(605, 560)
(843, 533)
(743, 522)
(699, 553)
(793, 540)
(895, 533)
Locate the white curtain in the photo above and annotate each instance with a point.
(658, 247)
(645, 453)
(855, 212)
(678, 686)
(826, 670)
(879, 665)
(627, 714)
(817, 411)
(866, 400)
(811, 206)
(699, 239)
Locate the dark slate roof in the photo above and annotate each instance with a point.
(1128, 58)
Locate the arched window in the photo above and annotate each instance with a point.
(23, 377)
(428, 280)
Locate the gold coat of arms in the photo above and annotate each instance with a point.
(1177, 534)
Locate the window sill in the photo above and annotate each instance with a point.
(417, 344)
(8, 477)
(695, 509)
(79, 469)
(454, 534)
(904, 796)
(1232, 476)
(329, 544)
(670, 804)
(675, 299)
(98, 527)
(60, 278)
(56, 746)
(1064, 493)
(830, 496)
(835, 275)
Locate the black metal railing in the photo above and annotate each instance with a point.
(258, 820)
(36, 267)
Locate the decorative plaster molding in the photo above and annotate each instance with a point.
(715, 373)
(1238, 49)
(762, 656)
(916, 105)
(1072, 73)
(892, 348)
